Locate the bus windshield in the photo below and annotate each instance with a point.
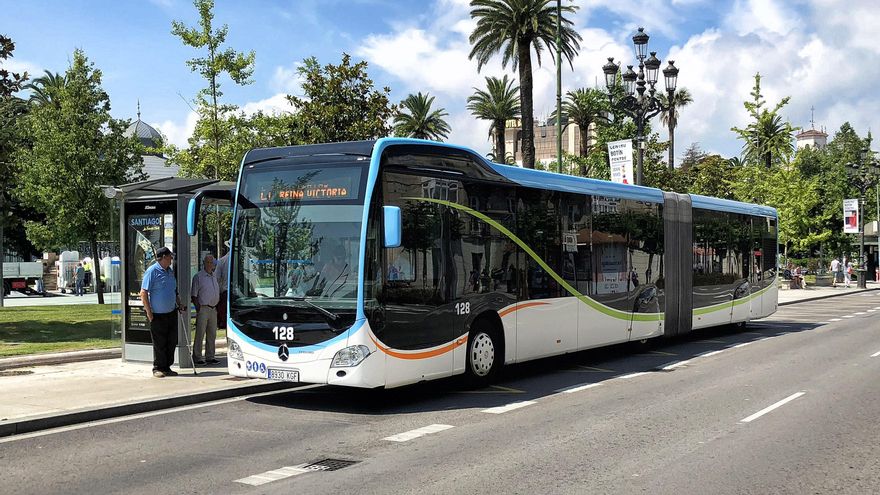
(297, 235)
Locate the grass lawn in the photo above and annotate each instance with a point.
(37, 329)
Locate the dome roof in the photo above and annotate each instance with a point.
(145, 133)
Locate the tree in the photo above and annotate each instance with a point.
(514, 27)
(210, 132)
(417, 120)
(75, 147)
(45, 89)
(584, 107)
(767, 139)
(10, 82)
(340, 104)
(498, 104)
(692, 156)
(682, 97)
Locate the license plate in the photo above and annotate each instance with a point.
(284, 375)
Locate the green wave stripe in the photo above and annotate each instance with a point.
(614, 313)
(727, 305)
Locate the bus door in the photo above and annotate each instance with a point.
(547, 313)
(756, 273)
(420, 322)
(740, 245)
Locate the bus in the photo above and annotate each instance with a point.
(389, 262)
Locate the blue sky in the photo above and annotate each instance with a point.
(818, 52)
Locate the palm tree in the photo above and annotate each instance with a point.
(514, 27)
(669, 117)
(45, 89)
(499, 104)
(421, 122)
(584, 107)
(768, 140)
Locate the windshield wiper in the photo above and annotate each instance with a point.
(329, 314)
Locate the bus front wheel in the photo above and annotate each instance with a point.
(484, 356)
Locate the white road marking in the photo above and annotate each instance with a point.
(632, 375)
(861, 313)
(578, 388)
(742, 344)
(878, 307)
(509, 407)
(875, 354)
(153, 413)
(711, 353)
(672, 366)
(835, 319)
(274, 475)
(849, 316)
(418, 432)
(772, 407)
(872, 311)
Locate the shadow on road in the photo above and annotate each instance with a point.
(534, 379)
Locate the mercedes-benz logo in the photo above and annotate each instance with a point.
(283, 352)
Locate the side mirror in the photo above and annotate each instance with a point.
(223, 197)
(393, 226)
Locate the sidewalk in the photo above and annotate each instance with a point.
(42, 396)
(792, 296)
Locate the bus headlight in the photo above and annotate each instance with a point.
(234, 351)
(350, 356)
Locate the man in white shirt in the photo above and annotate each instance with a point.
(205, 295)
(835, 269)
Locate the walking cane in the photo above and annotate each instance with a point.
(185, 325)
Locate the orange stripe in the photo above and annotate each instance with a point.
(520, 306)
(421, 355)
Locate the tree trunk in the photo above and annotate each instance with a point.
(500, 152)
(585, 146)
(671, 142)
(768, 160)
(524, 47)
(96, 268)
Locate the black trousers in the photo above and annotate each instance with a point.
(163, 330)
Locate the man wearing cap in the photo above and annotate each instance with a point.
(159, 295)
(205, 295)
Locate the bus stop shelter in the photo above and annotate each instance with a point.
(152, 215)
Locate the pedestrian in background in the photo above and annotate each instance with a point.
(835, 271)
(79, 278)
(160, 299)
(847, 273)
(205, 295)
(222, 272)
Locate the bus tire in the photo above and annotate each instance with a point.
(485, 354)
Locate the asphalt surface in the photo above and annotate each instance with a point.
(693, 415)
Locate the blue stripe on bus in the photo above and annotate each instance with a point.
(580, 185)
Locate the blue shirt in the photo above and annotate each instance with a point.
(162, 288)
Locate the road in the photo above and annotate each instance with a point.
(788, 405)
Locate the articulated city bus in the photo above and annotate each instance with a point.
(383, 263)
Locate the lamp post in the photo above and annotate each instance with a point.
(863, 175)
(635, 103)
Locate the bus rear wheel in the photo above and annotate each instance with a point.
(484, 356)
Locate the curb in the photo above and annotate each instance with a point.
(47, 421)
(69, 357)
(828, 296)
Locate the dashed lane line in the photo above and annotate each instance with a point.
(274, 475)
(875, 354)
(632, 375)
(743, 344)
(712, 353)
(509, 407)
(676, 364)
(418, 432)
(836, 319)
(578, 388)
(861, 313)
(769, 408)
(848, 316)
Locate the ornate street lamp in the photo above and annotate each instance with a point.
(863, 175)
(635, 102)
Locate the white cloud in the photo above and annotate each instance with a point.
(274, 104)
(176, 133)
(287, 80)
(18, 66)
